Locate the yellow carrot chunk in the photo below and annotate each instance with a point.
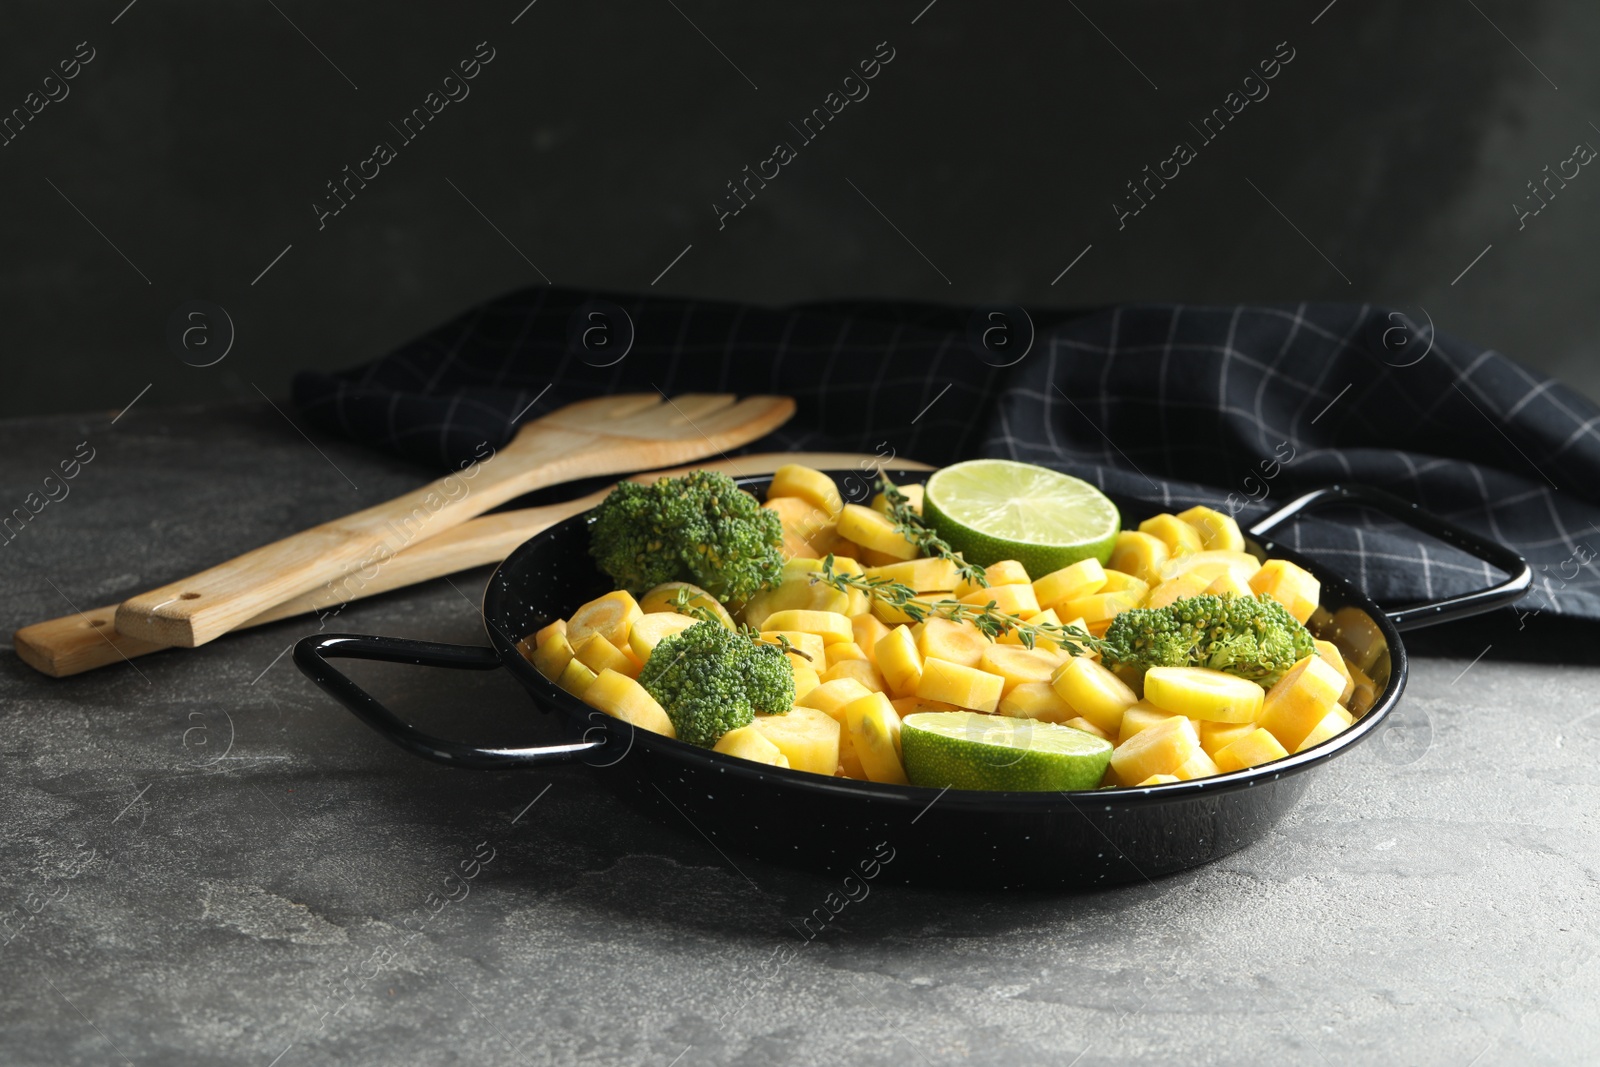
(831, 626)
(898, 661)
(1158, 749)
(1005, 572)
(1329, 651)
(808, 531)
(1198, 765)
(1202, 693)
(1331, 724)
(867, 630)
(805, 680)
(954, 642)
(1211, 563)
(858, 669)
(575, 678)
(1216, 530)
(1185, 585)
(1036, 700)
(1229, 584)
(808, 737)
(872, 530)
(1015, 600)
(1098, 609)
(1016, 664)
(1120, 582)
(552, 657)
(933, 574)
(1080, 723)
(1299, 700)
(650, 630)
(831, 697)
(749, 743)
(875, 735)
(609, 616)
(1139, 717)
(621, 697)
(840, 651)
(1251, 750)
(1292, 586)
(1094, 692)
(965, 687)
(1219, 735)
(801, 588)
(1079, 579)
(599, 654)
(1140, 554)
(1177, 535)
(812, 486)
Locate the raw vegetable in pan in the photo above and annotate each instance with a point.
(832, 638)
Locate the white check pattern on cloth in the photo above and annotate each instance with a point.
(1172, 404)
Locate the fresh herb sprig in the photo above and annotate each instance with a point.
(990, 622)
(783, 643)
(910, 526)
(683, 602)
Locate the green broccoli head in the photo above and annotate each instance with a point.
(699, 528)
(711, 680)
(1251, 637)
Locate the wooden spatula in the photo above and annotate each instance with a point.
(74, 644)
(607, 435)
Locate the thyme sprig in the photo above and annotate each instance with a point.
(783, 643)
(683, 602)
(909, 524)
(990, 622)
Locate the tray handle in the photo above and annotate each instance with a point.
(1416, 616)
(312, 654)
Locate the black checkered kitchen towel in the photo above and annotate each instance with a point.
(1235, 407)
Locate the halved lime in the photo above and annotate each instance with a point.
(995, 509)
(966, 750)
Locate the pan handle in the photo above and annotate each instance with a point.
(311, 655)
(1416, 616)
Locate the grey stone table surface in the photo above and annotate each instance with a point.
(204, 861)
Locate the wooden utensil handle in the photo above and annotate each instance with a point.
(204, 606)
(83, 642)
(602, 435)
(73, 644)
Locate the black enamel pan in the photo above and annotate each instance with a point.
(949, 837)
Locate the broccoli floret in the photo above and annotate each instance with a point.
(1251, 637)
(711, 680)
(699, 528)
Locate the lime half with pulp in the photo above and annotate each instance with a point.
(995, 509)
(966, 750)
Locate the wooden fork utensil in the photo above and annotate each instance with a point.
(606, 435)
(83, 642)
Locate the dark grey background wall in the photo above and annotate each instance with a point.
(191, 149)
